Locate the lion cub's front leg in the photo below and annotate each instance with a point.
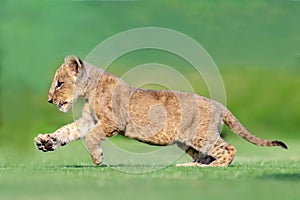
(93, 142)
(64, 135)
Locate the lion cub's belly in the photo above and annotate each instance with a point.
(151, 135)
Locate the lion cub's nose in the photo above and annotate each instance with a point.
(50, 99)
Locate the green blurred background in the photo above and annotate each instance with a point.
(255, 44)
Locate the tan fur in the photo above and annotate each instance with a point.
(155, 117)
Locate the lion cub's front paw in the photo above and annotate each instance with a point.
(46, 142)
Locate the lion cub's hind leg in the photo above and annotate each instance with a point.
(199, 159)
(189, 150)
(223, 153)
(192, 152)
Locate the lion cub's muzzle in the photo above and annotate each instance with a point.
(59, 104)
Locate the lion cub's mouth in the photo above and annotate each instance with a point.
(64, 107)
(61, 104)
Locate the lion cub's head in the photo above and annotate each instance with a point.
(62, 91)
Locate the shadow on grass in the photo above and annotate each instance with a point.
(113, 166)
(85, 166)
(282, 177)
(126, 168)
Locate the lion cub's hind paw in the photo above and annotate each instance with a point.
(46, 142)
(191, 164)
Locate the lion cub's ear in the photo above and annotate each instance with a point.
(74, 63)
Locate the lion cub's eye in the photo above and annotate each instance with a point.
(59, 84)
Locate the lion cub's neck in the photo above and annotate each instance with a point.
(91, 77)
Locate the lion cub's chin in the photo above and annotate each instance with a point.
(65, 108)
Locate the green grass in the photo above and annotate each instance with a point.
(260, 173)
(269, 180)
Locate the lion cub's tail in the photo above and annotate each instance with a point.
(232, 122)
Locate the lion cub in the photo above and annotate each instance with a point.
(154, 117)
